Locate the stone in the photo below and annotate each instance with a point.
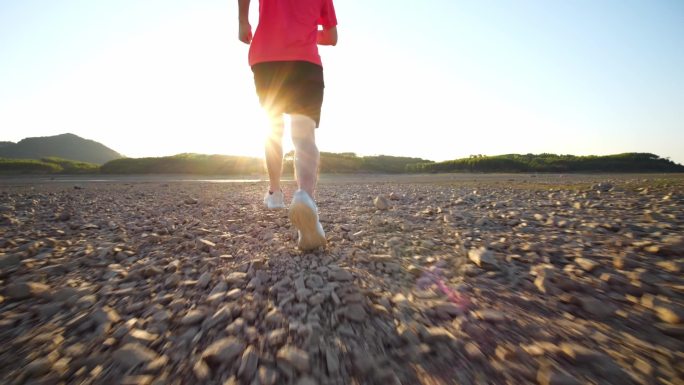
(221, 315)
(236, 278)
(482, 257)
(23, 290)
(205, 244)
(341, 275)
(220, 288)
(437, 334)
(295, 357)
(38, 367)
(276, 337)
(203, 280)
(490, 315)
(161, 315)
(547, 376)
(49, 309)
(473, 351)
(670, 313)
(447, 309)
(580, 354)
(306, 380)
(201, 370)
(316, 299)
(267, 376)
(545, 285)
(586, 264)
(598, 309)
(381, 203)
(670, 266)
(672, 246)
(234, 294)
(670, 329)
(140, 379)
(314, 282)
(9, 261)
(193, 317)
(64, 294)
(248, 364)
(354, 312)
(223, 350)
(142, 336)
(172, 281)
(132, 355)
(332, 361)
(236, 327)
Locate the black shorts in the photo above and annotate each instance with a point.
(290, 87)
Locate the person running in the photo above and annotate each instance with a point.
(288, 77)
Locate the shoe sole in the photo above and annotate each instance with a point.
(304, 219)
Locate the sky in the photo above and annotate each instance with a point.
(438, 79)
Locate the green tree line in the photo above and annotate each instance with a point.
(200, 164)
(627, 162)
(49, 165)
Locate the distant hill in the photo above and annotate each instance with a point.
(627, 162)
(65, 146)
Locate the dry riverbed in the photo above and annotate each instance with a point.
(426, 280)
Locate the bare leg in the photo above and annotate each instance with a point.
(306, 153)
(274, 152)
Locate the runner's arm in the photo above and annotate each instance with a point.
(245, 29)
(327, 36)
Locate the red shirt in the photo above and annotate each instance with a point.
(288, 30)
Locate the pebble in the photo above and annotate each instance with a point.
(23, 290)
(671, 314)
(295, 357)
(306, 380)
(236, 278)
(38, 367)
(437, 334)
(354, 312)
(597, 308)
(341, 275)
(276, 337)
(248, 363)
(267, 376)
(203, 280)
(332, 361)
(381, 203)
(223, 350)
(490, 315)
(193, 317)
(586, 264)
(482, 257)
(133, 355)
(234, 294)
(9, 261)
(550, 377)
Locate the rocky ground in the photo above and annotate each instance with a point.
(480, 280)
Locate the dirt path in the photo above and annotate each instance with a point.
(479, 280)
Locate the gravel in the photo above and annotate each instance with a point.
(497, 279)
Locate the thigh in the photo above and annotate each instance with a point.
(305, 93)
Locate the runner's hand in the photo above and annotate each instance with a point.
(245, 33)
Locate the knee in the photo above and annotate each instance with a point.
(303, 128)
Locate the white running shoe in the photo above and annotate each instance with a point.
(304, 216)
(274, 200)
